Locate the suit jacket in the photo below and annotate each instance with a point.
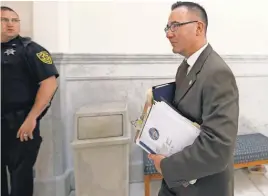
(208, 96)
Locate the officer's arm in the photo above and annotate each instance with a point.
(44, 95)
(46, 74)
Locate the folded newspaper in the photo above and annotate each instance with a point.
(162, 130)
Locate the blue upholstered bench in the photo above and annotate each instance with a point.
(251, 150)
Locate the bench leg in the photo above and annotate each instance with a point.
(147, 187)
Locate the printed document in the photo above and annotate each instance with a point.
(165, 131)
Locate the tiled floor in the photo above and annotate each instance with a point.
(245, 185)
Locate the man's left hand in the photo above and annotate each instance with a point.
(26, 129)
(157, 158)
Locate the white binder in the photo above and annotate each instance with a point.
(165, 131)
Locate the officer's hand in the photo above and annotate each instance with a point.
(26, 129)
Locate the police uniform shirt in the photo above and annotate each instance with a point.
(22, 70)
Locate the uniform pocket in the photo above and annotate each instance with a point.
(32, 149)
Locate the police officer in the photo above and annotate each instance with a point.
(28, 83)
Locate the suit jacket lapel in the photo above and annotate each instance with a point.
(192, 75)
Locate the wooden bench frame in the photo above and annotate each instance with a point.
(157, 176)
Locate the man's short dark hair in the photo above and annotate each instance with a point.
(194, 7)
(5, 8)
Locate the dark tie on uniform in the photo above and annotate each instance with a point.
(182, 72)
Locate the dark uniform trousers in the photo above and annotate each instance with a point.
(16, 156)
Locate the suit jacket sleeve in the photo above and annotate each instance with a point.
(213, 149)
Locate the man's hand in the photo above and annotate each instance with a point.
(26, 129)
(157, 160)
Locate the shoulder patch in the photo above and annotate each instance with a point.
(45, 57)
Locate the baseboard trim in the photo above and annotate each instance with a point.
(58, 185)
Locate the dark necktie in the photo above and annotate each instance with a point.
(182, 72)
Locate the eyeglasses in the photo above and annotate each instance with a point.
(13, 20)
(175, 25)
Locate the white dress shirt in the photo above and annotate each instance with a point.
(192, 59)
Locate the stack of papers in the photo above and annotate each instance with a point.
(165, 131)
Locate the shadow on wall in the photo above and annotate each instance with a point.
(246, 126)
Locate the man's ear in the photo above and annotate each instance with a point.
(200, 28)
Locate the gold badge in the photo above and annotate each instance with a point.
(45, 57)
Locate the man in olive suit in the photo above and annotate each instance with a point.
(206, 92)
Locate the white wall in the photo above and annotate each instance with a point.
(50, 25)
(235, 27)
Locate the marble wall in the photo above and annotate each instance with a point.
(93, 79)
